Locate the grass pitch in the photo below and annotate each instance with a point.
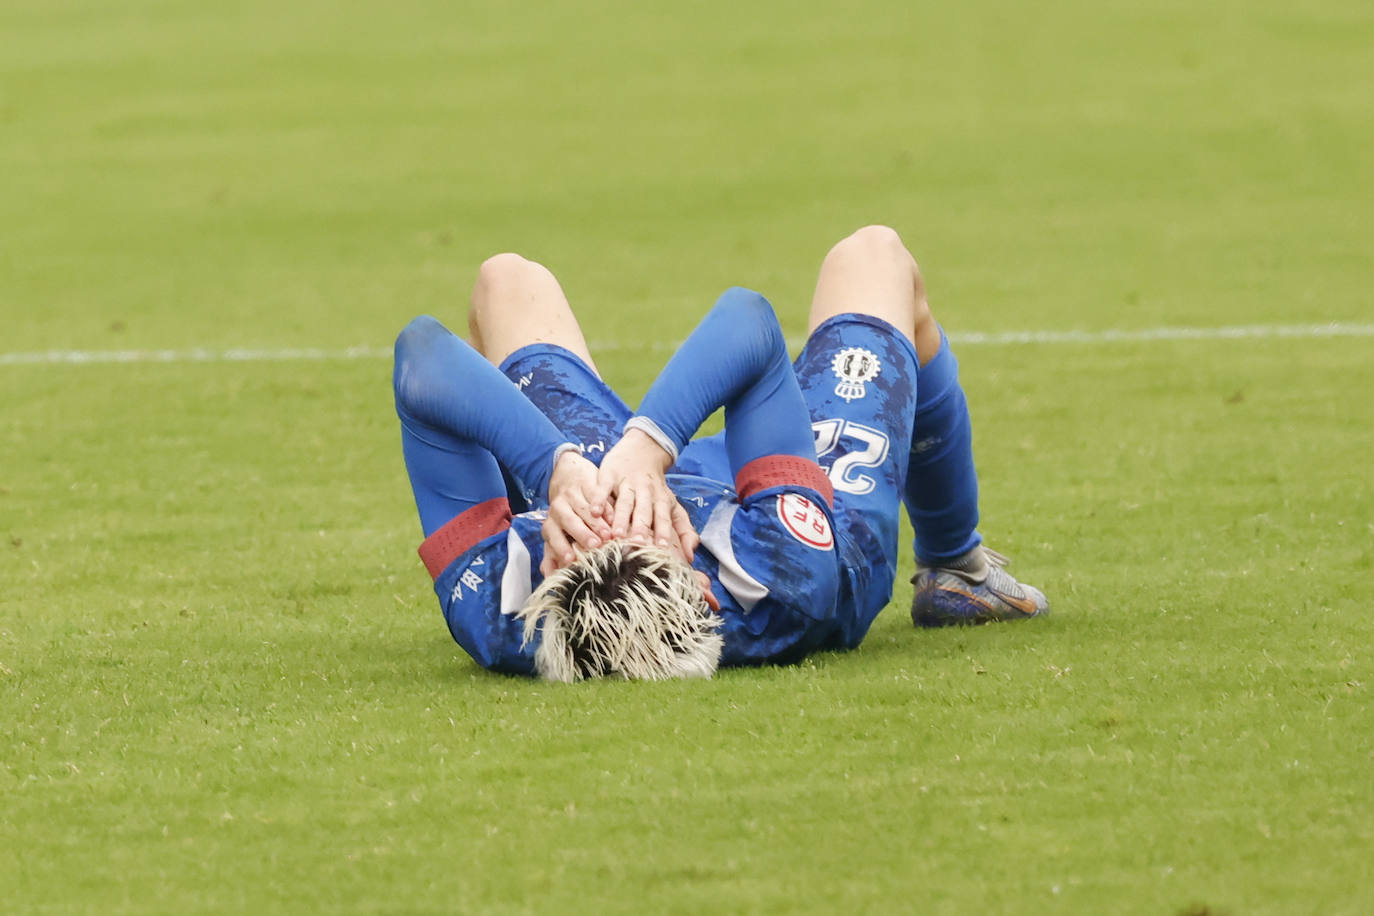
(224, 683)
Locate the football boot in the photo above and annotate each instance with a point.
(974, 588)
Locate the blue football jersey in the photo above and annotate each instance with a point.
(773, 560)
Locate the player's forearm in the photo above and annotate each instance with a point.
(737, 348)
(443, 382)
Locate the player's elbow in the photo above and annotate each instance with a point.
(812, 603)
(821, 591)
(812, 595)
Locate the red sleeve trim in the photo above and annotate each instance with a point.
(783, 471)
(459, 535)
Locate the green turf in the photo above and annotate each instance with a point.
(224, 683)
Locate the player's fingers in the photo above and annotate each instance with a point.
(574, 512)
(573, 527)
(686, 534)
(556, 543)
(706, 593)
(624, 509)
(599, 496)
(665, 532)
(594, 514)
(672, 544)
(642, 517)
(609, 477)
(557, 556)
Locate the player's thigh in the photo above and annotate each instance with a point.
(567, 390)
(517, 302)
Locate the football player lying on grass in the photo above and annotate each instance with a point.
(570, 537)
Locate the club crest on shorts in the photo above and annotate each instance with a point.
(854, 366)
(805, 521)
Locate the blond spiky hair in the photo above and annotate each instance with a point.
(623, 609)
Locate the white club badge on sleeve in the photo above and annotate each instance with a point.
(805, 521)
(853, 366)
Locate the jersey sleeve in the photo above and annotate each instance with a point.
(737, 358)
(443, 382)
(484, 568)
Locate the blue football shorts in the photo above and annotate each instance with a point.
(571, 395)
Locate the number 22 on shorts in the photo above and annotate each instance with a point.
(844, 473)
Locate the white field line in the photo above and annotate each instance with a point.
(194, 355)
(964, 338)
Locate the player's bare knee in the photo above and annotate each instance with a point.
(497, 278)
(878, 245)
(502, 269)
(502, 274)
(506, 282)
(877, 236)
(497, 275)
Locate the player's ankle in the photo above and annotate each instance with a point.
(971, 565)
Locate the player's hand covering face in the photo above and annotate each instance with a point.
(578, 515)
(628, 498)
(632, 477)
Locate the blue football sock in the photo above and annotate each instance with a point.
(448, 475)
(941, 493)
(462, 424)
